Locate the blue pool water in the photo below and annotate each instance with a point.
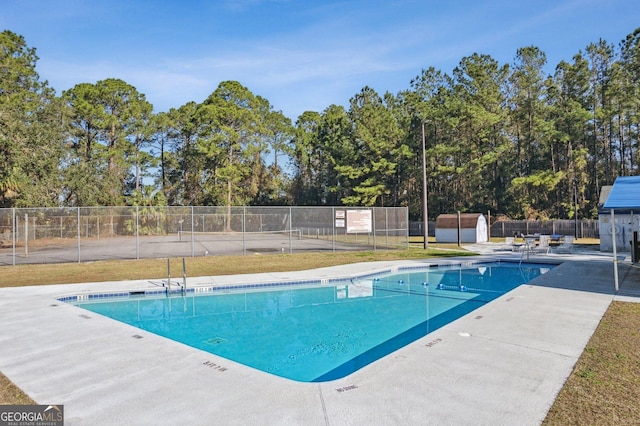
(322, 332)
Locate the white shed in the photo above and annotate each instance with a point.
(473, 228)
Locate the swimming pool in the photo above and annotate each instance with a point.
(317, 331)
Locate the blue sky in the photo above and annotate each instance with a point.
(299, 54)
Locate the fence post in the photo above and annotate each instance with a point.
(386, 226)
(193, 236)
(406, 220)
(137, 233)
(78, 230)
(26, 235)
(459, 230)
(290, 230)
(14, 229)
(373, 227)
(333, 229)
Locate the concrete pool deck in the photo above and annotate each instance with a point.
(502, 364)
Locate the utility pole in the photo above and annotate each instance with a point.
(425, 210)
(575, 213)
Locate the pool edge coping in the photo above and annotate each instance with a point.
(209, 288)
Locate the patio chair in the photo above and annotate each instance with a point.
(543, 245)
(527, 247)
(566, 246)
(508, 244)
(530, 243)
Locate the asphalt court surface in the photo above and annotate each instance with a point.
(181, 245)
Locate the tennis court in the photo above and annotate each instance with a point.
(90, 234)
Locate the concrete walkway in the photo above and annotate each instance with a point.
(503, 364)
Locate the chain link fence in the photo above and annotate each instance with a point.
(56, 235)
(583, 228)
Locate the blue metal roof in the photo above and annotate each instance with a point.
(625, 194)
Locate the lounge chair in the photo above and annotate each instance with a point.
(543, 245)
(566, 246)
(508, 244)
(527, 247)
(530, 243)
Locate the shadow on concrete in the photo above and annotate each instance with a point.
(586, 268)
(595, 276)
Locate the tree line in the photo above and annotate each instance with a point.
(508, 138)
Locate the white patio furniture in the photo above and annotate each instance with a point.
(566, 246)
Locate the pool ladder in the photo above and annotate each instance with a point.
(183, 286)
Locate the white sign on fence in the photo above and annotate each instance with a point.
(339, 218)
(359, 221)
